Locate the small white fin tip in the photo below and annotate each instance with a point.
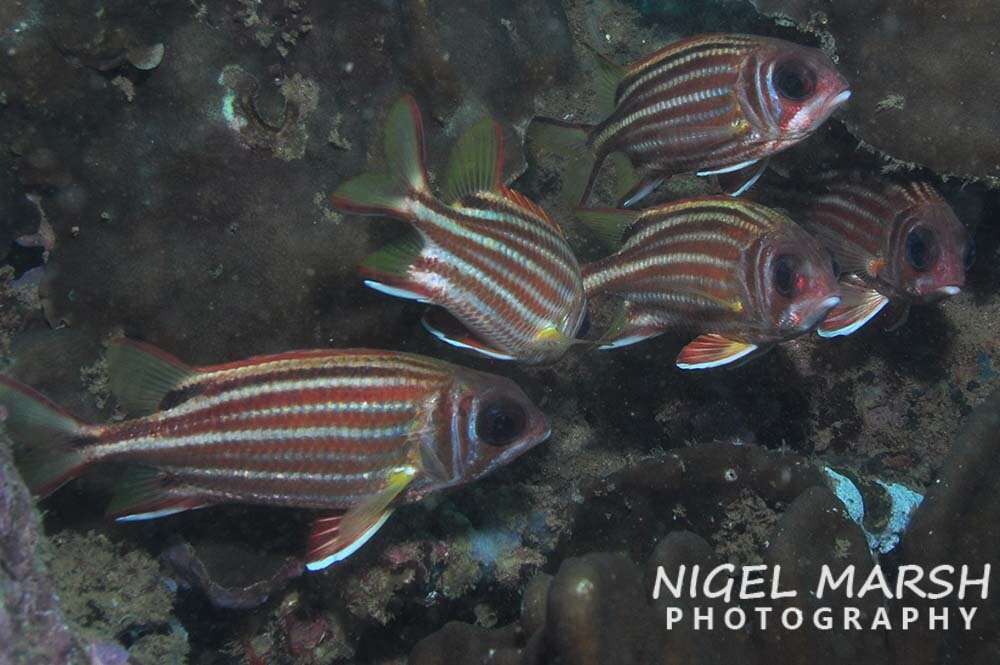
(350, 549)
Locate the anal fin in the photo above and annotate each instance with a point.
(145, 494)
(737, 182)
(450, 330)
(388, 269)
(338, 536)
(712, 350)
(858, 306)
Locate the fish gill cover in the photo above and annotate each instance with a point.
(165, 172)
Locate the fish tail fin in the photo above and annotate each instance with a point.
(51, 443)
(609, 224)
(389, 193)
(572, 142)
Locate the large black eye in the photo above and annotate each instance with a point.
(794, 81)
(500, 422)
(921, 247)
(970, 254)
(784, 275)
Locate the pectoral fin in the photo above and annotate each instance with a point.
(711, 350)
(336, 537)
(858, 306)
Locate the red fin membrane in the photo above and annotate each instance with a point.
(858, 307)
(146, 494)
(450, 330)
(711, 350)
(327, 547)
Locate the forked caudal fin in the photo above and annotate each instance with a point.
(388, 193)
(50, 443)
(570, 141)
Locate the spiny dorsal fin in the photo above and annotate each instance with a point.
(476, 162)
(142, 375)
(609, 224)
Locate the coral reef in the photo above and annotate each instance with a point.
(595, 609)
(32, 626)
(164, 168)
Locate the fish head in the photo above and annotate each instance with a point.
(493, 422)
(790, 90)
(929, 251)
(794, 280)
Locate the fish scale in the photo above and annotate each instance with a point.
(350, 432)
(709, 104)
(708, 265)
(869, 224)
(507, 281)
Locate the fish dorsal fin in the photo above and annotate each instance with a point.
(476, 163)
(145, 493)
(608, 224)
(141, 376)
(336, 537)
(609, 76)
(738, 182)
(450, 330)
(712, 350)
(857, 307)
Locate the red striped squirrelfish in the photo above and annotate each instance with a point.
(494, 260)
(893, 240)
(353, 433)
(709, 104)
(740, 275)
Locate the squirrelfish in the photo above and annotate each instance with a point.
(892, 240)
(710, 104)
(494, 260)
(353, 433)
(741, 276)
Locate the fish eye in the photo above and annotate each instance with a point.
(500, 422)
(784, 275)
(969, 256)
(794, 81)
(920, 248)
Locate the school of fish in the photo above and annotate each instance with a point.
(354, 433)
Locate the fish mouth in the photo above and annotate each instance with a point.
(841, 97)
(818, 313)
(950, 290)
